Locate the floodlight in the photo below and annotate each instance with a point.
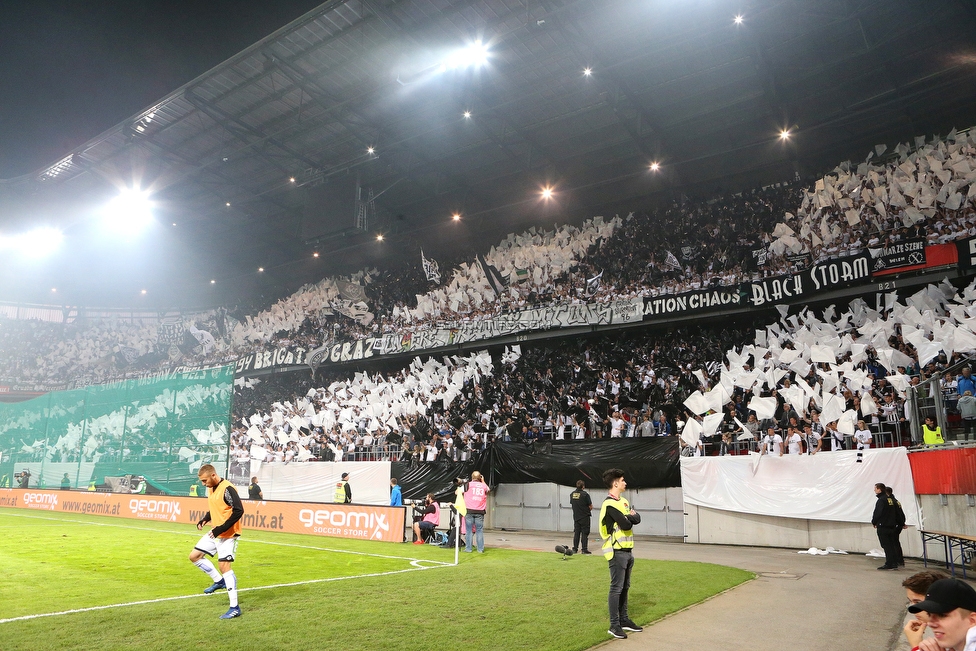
(587, 72)
(379, 237)
(260, 268)
(467, 114)
(655, 166)
(738, 19)
(370, 150)
(54, 289)
(546, 193)
(128, 213)
(227, 204)
(292, 179)
(37, 243)
(315, 255)
(784, 134)
(456, 217)
(474, 55)
(143, 292)
(213, 282)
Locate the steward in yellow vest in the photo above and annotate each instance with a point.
(617, 520)
(931, 433)
(343, 492)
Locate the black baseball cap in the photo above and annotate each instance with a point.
(945, 595)
(345, 474)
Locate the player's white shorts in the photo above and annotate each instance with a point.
(224, 548)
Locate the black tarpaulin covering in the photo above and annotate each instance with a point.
(646, 462)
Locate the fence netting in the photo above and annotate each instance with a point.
(161, 428)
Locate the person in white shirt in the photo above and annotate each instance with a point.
(863, 436)
(772, 443)
(794, 441)
(836, 437)
(616, 425)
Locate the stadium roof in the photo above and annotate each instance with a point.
(580, 96)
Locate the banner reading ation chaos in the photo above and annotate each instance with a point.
(337, 520)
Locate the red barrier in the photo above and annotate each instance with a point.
(936, 255)
(944, 472)
(337, 520)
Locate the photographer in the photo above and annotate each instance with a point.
(476, 505)
(428, 519)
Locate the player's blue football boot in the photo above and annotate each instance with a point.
(219, 585)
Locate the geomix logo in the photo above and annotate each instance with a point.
(355, 520)
(41, 501)
(155, 509)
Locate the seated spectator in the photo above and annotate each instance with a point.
(429, 520)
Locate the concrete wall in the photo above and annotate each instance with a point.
(711, 526)
(955, 517)
(545, 507)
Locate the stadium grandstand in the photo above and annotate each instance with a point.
(728, 248)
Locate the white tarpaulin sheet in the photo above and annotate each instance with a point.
(316, 482)
(824, 486)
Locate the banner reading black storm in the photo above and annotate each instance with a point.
(821, 277)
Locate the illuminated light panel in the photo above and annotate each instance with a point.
(129, 213)
(474, 55)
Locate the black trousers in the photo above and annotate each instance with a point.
(581, 530)
(621, 566)
(888, 537)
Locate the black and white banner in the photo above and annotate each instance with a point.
(660, 307)
(823, 276)
(901, 254)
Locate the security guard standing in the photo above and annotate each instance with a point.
(888, 519)
(617, 520)
(343, 492)
(195, 489)
(92, 486)
(582, 505)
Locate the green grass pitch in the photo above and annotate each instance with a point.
(309, 592)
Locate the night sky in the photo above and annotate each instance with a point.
(69, 70)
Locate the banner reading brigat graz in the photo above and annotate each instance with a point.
(337, 520)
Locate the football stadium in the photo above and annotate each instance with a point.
(509, 324)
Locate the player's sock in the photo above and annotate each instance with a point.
(230, 580)
(208, 567)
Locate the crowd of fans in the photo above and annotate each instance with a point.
(689, 244)
(802, 385)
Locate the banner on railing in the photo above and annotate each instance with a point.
(900, 254)
(821, 277)
(337, 520)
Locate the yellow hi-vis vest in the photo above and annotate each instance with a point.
(932, 436)
(340, 493)
(617, 538)
(220, 511)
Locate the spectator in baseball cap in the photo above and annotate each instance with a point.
(951, 606)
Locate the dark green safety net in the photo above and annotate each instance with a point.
(162, 428)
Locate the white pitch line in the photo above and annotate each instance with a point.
(190, 533)
(416, 568)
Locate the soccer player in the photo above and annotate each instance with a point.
(226, 510)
